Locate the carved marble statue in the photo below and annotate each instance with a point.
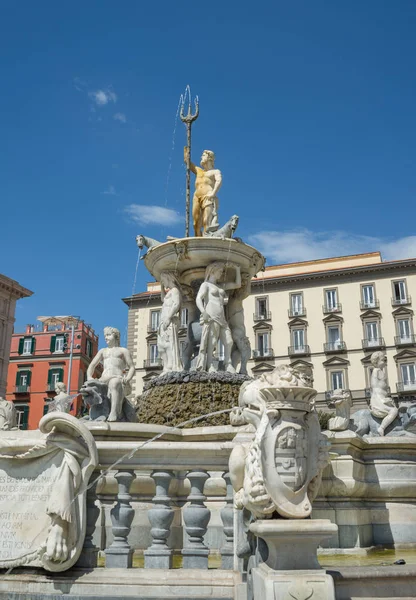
(241, 350)
(341, 401)
(381, 405)
(8, 415)
(58, 462)
(280, 470)
(116, 361)
(211, 300)
(167, 337)
(226, 231)
(205, 201)
(62, 401)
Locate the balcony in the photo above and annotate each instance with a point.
(152, 328)
(269, 353)
(22, 389)
(405, 340)
(300, 311)
(366, 305)
(51, 386)
(406, 386)
(335, 347)
(367, 392)
(401, 301)
(328, 393)
(263, 316)
(373, 343)
(298, 350)
(333, 308)
(152, 363)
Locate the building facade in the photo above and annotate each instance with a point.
(43, 355)
(10, 292)
(329, 315)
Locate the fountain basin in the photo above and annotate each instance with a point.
(189, 257)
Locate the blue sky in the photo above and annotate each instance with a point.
(309, 107)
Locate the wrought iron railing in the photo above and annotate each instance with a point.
(405, 340)
(269, 353)
(377, 342)
(22, 389)
(152, 363)
(401, 301)
(335, 347)
(365, 305)
(297, 312)
(296, 350)
(332, 308)
(262, 316)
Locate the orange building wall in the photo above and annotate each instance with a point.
(41, 361)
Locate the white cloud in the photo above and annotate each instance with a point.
(103, 97)
(120, 117)
(110, 191)
(303, 244)
(144, 214)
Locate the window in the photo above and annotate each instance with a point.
(369, 299)
(88, 348)
(334, 337)
(399, 292)
(408, 371)
(298, 336)
(337, 380)
(23, 380)
(371, 329)
(262, 343)
(22, 415)
(331, 299)
(184, 317)
(59, 343)
(55, 375)
(261, 304)
(153, 353)
(154, 320)
(296, 304)
(404, 329)
(27, 346)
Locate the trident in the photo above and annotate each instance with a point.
(188, 120)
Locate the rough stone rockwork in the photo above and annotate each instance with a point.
(175, 398)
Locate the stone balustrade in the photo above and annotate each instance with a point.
(171, 501)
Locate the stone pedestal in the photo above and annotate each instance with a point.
(285, 585)
(291, 569)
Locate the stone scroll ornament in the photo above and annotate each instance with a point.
(279, 472)
(43, 482)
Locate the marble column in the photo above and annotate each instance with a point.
(120, 553)
(196, 517)
(159, 555)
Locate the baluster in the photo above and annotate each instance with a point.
(159, 555)
(227, 516)
(120, 554)
(196, 517)
(89, 555)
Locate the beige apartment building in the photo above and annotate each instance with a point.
(329, 314)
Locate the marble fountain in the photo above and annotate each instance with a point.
(161, 501)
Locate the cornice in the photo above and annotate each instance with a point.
(335, 273)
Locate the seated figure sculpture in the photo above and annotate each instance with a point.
(8, 415)
(211, 300)
(116, 361)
